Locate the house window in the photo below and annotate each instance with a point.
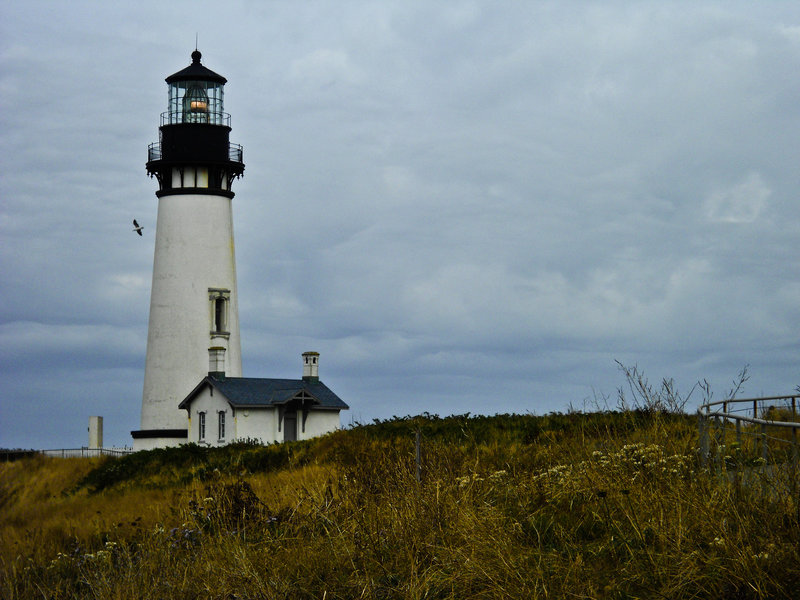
(201, 426)
(219, 300)
(221, 426)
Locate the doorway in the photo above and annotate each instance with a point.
(290, 426)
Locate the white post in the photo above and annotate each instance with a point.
(95, 432)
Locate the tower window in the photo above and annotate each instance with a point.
(219, 314)
(219, 300)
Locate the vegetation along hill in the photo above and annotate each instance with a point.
(601, 505)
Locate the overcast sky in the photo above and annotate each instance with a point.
(463, 206)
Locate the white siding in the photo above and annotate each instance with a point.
(211, 405)
(318, 422)
(257, 424)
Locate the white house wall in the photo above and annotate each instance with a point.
(262, 424)
(211, 405)
(319, 422)
(257, 424)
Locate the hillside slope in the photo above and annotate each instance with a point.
(579, 505)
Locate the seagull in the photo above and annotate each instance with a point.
(137, 228)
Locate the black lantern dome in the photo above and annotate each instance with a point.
(193, 154)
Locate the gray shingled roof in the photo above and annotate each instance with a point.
(251, 391)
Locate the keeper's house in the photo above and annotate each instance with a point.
(225, 409)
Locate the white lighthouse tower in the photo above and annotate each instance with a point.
(193, 301)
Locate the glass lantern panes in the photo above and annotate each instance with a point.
(196, 102)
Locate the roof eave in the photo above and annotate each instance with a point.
(186, 402)
(196, 73)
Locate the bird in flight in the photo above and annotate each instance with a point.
(137, 228)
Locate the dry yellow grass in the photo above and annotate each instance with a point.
(41, 513)
(621, 509)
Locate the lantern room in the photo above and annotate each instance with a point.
(195, 96)
(193, 154)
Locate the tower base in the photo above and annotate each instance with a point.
(148, 439)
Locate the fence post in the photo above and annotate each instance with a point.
(419, 466)
(794, 460)
(794, 434)
(701, 424)
(724, 446)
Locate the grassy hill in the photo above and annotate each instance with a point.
(601, 505)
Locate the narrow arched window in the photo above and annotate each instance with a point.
(201, 426)
(219, 305)
(219, 314)
(221, 426)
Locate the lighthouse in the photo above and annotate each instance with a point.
(193, 326)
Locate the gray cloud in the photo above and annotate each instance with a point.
(463, 207)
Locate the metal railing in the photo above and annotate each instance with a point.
(154, 151)
(753, 420)
(85, 452)
(212, 117)
(235, 152)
